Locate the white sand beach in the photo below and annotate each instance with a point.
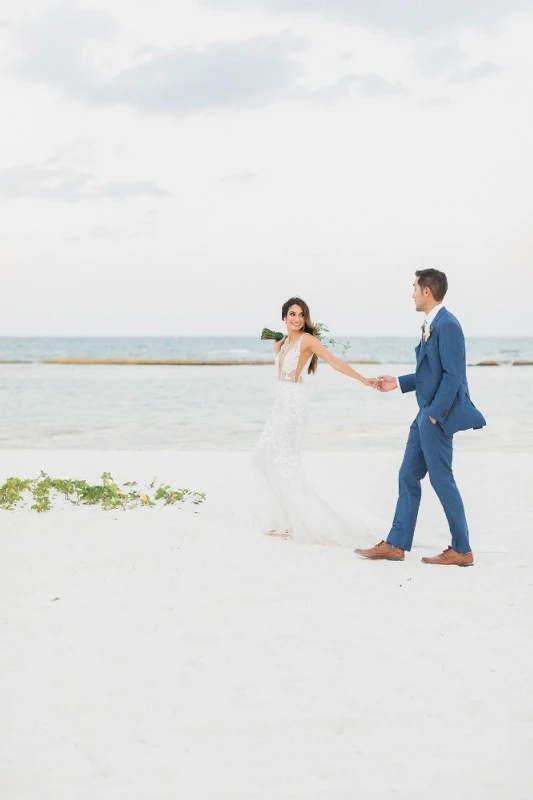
(176, 653)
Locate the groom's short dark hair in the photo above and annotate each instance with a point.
(434, 280)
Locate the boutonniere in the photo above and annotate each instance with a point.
(427, 330)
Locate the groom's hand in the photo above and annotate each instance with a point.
(387, 383)
(374, 383)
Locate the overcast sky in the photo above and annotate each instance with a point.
(181, 167)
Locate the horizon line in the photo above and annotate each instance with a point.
(338, 336)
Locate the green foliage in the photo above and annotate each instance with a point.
(108, 494)
(172, 496)
(320, 332)
(11, 492)
(268, 334)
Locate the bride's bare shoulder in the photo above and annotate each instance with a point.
(311, 343)
(307, 341)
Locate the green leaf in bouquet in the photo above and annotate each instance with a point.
(321, 332)
(272, 335)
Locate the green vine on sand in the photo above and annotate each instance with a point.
(108, 494)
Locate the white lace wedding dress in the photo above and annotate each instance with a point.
(288, 502)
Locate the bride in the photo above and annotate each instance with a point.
(291, 507)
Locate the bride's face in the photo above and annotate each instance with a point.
(295, 319)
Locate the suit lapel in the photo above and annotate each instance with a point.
(423, 347)
(422, 353)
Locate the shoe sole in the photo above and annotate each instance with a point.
(378, 558)
(440, 564)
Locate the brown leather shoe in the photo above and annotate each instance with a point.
(382, 551)
(452, 557)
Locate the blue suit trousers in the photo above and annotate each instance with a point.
(428, 450)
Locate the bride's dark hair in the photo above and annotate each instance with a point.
(309, 326)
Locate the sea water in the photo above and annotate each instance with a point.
(385, 350)
(107, 407)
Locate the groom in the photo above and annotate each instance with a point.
(444, 408)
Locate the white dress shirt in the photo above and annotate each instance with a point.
(433, 313)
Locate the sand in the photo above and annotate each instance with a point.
(176, 653)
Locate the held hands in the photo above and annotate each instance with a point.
(380, 383)
(372, 382)
(385, 383)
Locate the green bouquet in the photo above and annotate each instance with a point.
(274, 335)
(320, 331)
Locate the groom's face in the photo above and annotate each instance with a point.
(419, 296)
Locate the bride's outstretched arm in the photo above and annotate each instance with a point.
(316, 346)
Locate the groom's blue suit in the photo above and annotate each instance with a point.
(442, 393)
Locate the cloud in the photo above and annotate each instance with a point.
(431, 60)
(65, 183)
(477, 72)
(405, 17)
(228, 74)
(75, 152)
(222, 75)
(119, 190)
(54, 41)
(366, 84)
(27, 180)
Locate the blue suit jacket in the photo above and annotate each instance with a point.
(440, 378)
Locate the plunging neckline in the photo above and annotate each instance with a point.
(281, 362)
(286, 352)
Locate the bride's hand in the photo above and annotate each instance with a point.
(278, 345)
(374, 383)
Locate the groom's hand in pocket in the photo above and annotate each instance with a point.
(387, 383)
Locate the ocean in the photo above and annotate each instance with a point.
(105, 407)
(391, 350)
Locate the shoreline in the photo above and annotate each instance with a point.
(220, 362)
